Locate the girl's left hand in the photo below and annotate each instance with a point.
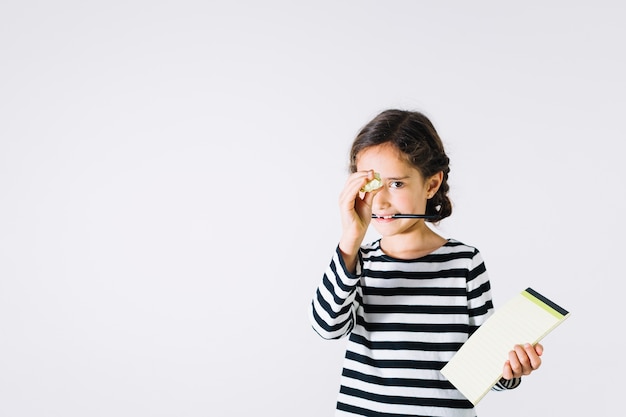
(523, 360)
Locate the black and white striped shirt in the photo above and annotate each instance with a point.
(405, 320)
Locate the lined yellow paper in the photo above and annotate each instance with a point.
(477, 366)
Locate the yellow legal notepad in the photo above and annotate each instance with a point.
(477, 365)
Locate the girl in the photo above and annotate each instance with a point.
(411, 298)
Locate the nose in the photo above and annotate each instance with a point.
(381, 199)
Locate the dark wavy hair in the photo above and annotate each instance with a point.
(413, 134)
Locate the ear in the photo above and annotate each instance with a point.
(433, 183)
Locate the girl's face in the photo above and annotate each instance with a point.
(404, 189)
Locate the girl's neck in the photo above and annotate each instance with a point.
(412, 245)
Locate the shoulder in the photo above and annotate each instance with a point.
(461, 255)
(457, 245)
(371, 249)
(454, 246)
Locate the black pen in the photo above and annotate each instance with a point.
(406, 216)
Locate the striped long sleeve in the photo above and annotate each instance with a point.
(334, 304)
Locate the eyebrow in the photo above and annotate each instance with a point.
(397, 178)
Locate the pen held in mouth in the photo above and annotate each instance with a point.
(406, 216)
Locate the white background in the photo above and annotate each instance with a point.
(169, 175)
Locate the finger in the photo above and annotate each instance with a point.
(354, 184)
(368, 197)
(372, 182)
(351, 189)
(522, 352)
(507, 372)
(514, 363)
(533, 357)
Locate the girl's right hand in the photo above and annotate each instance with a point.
(355, 208)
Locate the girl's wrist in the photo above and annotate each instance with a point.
(350, 246)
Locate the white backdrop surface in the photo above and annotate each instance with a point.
(169, 175)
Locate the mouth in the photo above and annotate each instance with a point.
(383, 216)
